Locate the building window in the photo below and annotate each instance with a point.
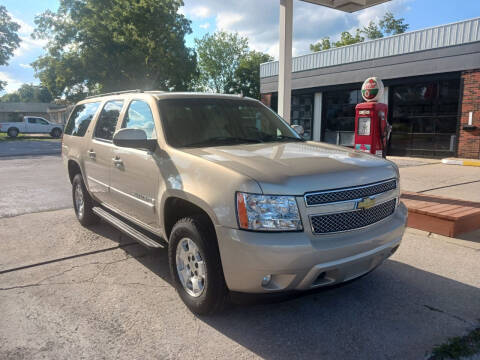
(424, 118)
(302, 113)
(339, 116)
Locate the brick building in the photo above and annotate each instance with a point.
(432, 87)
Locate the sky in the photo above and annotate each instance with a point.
(255, 19)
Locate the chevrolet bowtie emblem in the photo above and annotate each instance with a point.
(366, 203)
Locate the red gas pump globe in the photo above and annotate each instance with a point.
(371, 126)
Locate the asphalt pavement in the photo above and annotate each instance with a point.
(32, 184)
(72, 292)
(9, 148)
(119, 303)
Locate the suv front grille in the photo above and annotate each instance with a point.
(359, 192)
(322, 224)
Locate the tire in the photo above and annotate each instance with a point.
(13, 133)
(214, 293)
(56, 133)
(80, 195)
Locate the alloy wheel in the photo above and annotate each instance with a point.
(79, 200)
(191, 268)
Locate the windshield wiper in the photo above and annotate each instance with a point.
(224, 140)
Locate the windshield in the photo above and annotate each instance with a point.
(214, 122)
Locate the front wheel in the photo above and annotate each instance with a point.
(56, 133)
(83, 202)
(195, 266)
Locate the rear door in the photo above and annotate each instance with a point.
(99, 152)
(135, 175)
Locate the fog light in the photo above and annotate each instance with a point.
(266, 280)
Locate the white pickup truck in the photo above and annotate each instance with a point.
(31, 125)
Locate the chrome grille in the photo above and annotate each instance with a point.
(322, 224)
(358, 192)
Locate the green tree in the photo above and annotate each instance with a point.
(110, 45)
(348, 39)
(219, 56)
(324, 44)
(392, 26)
(372, 31)
(28, 93)
(9, 39)
(388, 25)
(247, 75)
(10, 97)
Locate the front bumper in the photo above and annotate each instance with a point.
(302, 260)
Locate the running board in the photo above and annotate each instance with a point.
(127, 229)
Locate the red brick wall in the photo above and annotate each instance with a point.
(469, 140)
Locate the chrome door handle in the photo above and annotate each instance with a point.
(91, 154)
(117, 161)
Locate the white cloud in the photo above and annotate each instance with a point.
(12, 83)
(27, 44)
(204, 26)
(25, 66)
(258, 20)
(200, 12)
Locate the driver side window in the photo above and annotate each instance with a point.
(139, 116)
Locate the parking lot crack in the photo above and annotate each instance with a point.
(432, 308)
(91, 279)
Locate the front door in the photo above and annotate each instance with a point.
(98, 163)
(33, 127)
(135, 174)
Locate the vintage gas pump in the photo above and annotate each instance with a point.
(372, 129)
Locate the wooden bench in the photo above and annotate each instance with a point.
(440, 215)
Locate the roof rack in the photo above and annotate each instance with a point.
(115, 93)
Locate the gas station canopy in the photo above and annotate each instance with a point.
(286, 31)
(346, 5)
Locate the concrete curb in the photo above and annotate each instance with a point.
(462, 162)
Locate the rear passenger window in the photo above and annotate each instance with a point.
(139, 116)
(107, 121)
(80, 119)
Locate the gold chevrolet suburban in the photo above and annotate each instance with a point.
(240, 200)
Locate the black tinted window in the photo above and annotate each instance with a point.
(216, 121)
(80, 119)
(31, 120)
(139, 116)
(107, 121)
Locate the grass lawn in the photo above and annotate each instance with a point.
(458, 347)
(22, 137)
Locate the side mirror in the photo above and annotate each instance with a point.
(134, 138)
(298, 129)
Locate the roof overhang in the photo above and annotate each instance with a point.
(347, 5)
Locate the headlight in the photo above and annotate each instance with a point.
(267, 212)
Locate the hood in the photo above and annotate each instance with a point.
(300, 167)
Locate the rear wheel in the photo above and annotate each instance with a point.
(12, 132)
(195, 266)
(83, 202)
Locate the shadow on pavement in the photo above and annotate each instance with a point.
(397, 311)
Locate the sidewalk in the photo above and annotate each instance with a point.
(432, 177)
